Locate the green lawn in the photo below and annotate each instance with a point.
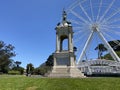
(30, 83)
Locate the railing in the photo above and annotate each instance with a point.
(99, 67)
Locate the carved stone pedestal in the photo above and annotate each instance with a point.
(64, 66)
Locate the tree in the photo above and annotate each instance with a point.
(17, 70)
(115, 45)
(17, 67)
(6, 52)
(109, 57)
(45, 67)
(49, 61)
(29, 68)
(17, 63)
(101, 48)
(42, 69)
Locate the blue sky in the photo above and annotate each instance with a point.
(29, 26)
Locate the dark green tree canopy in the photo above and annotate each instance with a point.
(6, 53)
(101, 48)
(115, 45)
(29, 68)
(17, 63)
(49, 61)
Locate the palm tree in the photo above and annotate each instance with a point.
(101, 48)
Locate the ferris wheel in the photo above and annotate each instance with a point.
(95, 22)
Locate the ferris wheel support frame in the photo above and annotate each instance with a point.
(109, 48)
(86, 46)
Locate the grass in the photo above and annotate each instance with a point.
(30, 83)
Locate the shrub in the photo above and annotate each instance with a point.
(13, 72)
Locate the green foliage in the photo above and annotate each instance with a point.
(49, 61)
(6, 52)
(42, 70)
(39, 71)
(17, 63)
(13, 72)
(20, 69)
(36, 71)
(108, 56)
(115, 45)
(29, 83)
(29, 68)
(45, 67)
(101, 48)
(16, 67)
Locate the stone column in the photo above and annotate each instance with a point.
(61, 45)
(57, 43)
(70, 43)
(55, 61)
(72, 61)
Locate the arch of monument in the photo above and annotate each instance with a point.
(64, 60)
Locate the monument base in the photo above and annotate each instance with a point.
(66, 71)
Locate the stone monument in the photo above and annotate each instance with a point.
(64, 60)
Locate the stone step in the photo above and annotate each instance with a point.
(59, 75)
(59, 72)
(66, 72)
